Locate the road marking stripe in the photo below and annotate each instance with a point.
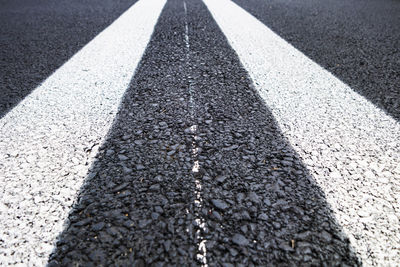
(198, 203)
(48, 141)
(328, 124)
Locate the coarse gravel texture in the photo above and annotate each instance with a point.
(197, 169)
(37, 37)
(49, 139)
(270, 210)
(356, 40)
(350, 146)
(138, 208)
(189, 101)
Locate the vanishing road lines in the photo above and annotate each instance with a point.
(189, 133)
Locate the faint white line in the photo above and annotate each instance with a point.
(349, 145)
(186, 28)
(201, 249)
(48, 141)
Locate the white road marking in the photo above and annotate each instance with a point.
(48, 141)
(201, 249)
(330, 126)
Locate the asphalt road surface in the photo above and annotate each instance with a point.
(199, 133)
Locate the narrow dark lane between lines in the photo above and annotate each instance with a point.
(357, 41)
(258, 202)
(261, 204)
(38, 37)
(138, 206)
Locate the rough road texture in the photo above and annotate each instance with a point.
(197, 169)
(37, 37)
(357, 41)
(350, 147)
(257, 201)
(139, 206)
(48, 141)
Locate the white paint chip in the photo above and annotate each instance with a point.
(48, 141)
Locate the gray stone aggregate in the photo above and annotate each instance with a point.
(356, 41)
(38, 37)
(254, 209)
(329, 125)
(49, 140)
(259, 197)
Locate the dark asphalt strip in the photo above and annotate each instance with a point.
(357, 41)
(261, 204)
(138, 208)
(37, 37)
(258, 201)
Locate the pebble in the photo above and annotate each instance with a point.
(220, 204)
(239, 197)
(217, 216)
(220, 179)
(155, 187)
(98, 226)
(140, 167)
(122, 157)
(240, 240)
(254, 197)
(263, 217)
(326, 236)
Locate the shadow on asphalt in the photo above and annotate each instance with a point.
(357, 41)
(258, 201)
(38, 37)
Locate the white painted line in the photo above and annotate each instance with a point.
(48, 141)
(337, 132)
(198, 202)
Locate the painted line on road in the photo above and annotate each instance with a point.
(337, 132)
(49, 140)
(198, 203)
